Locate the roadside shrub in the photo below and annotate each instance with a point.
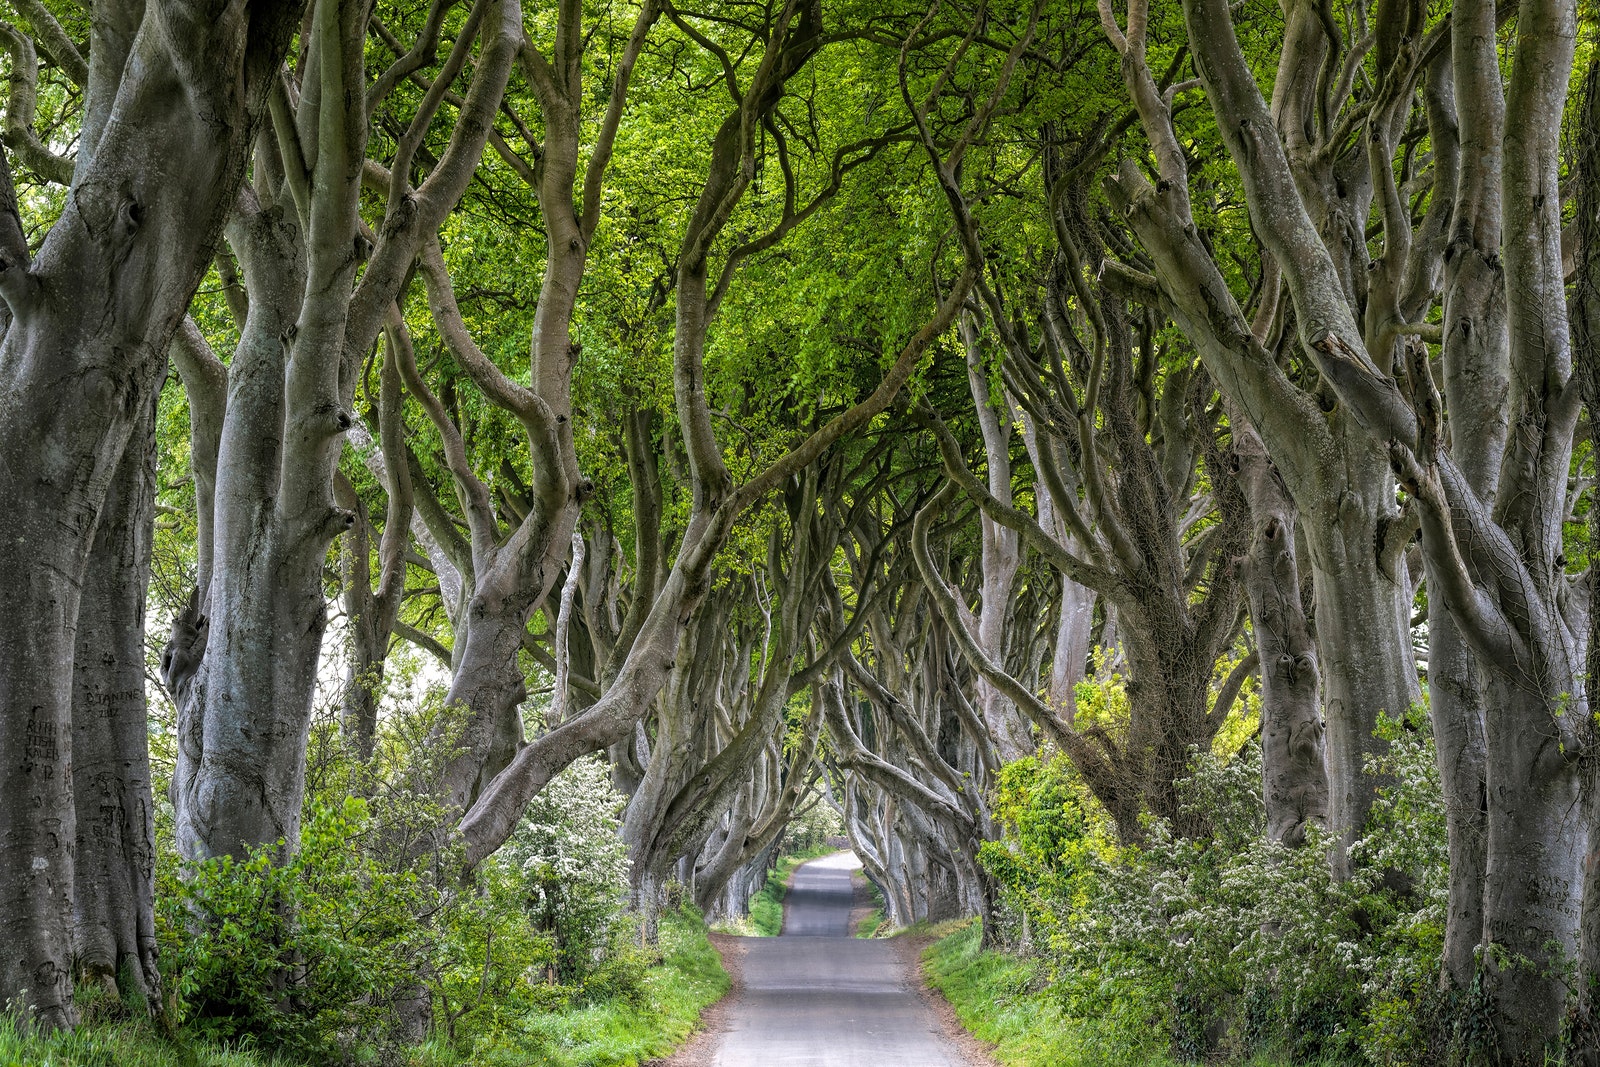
(1227, 945)
(544, 926)
(309, 956)
(571, 866)
(346, 947)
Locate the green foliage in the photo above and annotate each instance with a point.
(995, 996)
(1102, 697)
(318, 956)
(1049, 840)
(1225, 945)
(808, 832)
(619, 1032)
(673, 990)
(1000, 999)
(308, 954)
(122, 1044)
(870, 926)
(544, 929)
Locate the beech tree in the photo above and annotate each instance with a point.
(1489, 246)
(238, 661)
(95, 306)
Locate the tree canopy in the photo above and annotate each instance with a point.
(1065, 441)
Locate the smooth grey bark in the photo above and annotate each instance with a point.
(1475, 357)
(1001, 547)
(114, 936)
(320, 291)
(511, 574)
(692, 718)
(91, 318)
(1074, 634)
(1294, 772)
(1335, 466)
(371, 614)
(1456, 702)
(249, 660)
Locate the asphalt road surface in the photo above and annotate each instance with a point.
(817, 997)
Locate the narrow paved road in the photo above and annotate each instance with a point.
(817, 997)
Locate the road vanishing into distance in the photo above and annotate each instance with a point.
(817, 997)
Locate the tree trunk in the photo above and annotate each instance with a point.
(1074, 639)
(114, 939)
(1535, 862)
(1363, 641)
(92, 316)
(1455, 691)
(370, 613)
(1001, 551)
(244, 717)
(1476, 390)
(1294, 773)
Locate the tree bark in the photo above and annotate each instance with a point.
(114, 937)
(1001, 550)
(1294, 774)
(321, 291)
(1497, 567)
(371, 614)
(92, 316)
(1336, 466)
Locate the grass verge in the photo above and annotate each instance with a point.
(614, 1033)
(115, 1045)
(997, 997)
(870, 926)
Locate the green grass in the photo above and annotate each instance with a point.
(874, 921)
(996, 996)
(614, 1033)
(116, 1045)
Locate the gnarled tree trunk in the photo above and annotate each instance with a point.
(91, 319)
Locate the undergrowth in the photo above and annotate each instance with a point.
(1002, 1000)
(122, 1044)
(873, 923)
(619, 1032)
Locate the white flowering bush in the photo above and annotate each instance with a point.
(571, 866)
(1226, 944)
(809, 831)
